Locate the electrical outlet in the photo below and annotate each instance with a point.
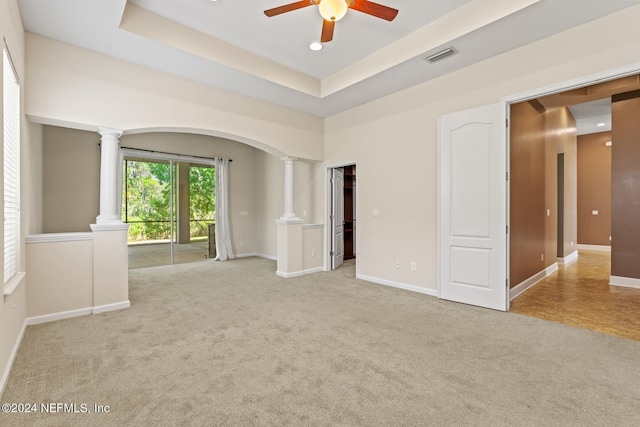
(413, 266)
(541, 257)
(313, 253)
(241, 242)
(397, 264)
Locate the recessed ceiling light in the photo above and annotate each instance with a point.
(601, 124)
(315, 46)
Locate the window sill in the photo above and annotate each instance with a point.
(13, 283)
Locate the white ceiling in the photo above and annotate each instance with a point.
(232, 45)
(592, 117)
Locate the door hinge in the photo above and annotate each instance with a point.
(507, 122)
(507, 229)
(507, 283)
(331, 217)
(331, 253)
(507, 175)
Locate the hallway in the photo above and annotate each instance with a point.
(579, 295)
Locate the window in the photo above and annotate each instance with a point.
(146, 203)
(11, 121)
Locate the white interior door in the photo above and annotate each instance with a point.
(337, 217)
(473, 207)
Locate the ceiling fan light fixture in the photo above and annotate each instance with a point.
(333, 10)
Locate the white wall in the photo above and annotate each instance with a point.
(269, 190)
(394, 139)
(88, 90)
(63, 279)
(13, 308)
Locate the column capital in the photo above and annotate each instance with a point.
(289, 159)
(103, 131)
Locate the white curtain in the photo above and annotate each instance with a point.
(223, 231)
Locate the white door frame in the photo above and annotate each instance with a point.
(327, 213)
(601, 77)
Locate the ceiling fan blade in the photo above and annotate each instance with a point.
(287, 8)
(327, 31)
(370, 8)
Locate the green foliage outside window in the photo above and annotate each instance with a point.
(146, 200)
(202, 203)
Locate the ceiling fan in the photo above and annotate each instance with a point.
(334, 10)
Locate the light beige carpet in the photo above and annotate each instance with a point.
(229, 343)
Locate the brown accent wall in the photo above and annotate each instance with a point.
(594, 189)
(625, 185)
(526, 222)
(71, 179)
(535, 138)
(561, 132)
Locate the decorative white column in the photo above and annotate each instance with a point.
(110, 252)
(289, 214)
(289, 254)
(109, 177)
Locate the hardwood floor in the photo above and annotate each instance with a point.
(579, 295)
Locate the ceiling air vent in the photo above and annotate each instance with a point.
(440, 55)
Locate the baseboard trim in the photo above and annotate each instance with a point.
(46, 318)
(627, 282)
(12, 357)
(298, 273)
(531, 281)
(418, 289)
(594, 247)
(573, 256)
(313, 270)
(289, 275)
(247, 255)
(111, 307)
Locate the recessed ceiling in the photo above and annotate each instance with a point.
(285, 38)
(232, 45)
(592, 117)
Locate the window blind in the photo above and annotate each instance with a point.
(11, 117)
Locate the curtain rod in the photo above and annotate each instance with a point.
(170, 154)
